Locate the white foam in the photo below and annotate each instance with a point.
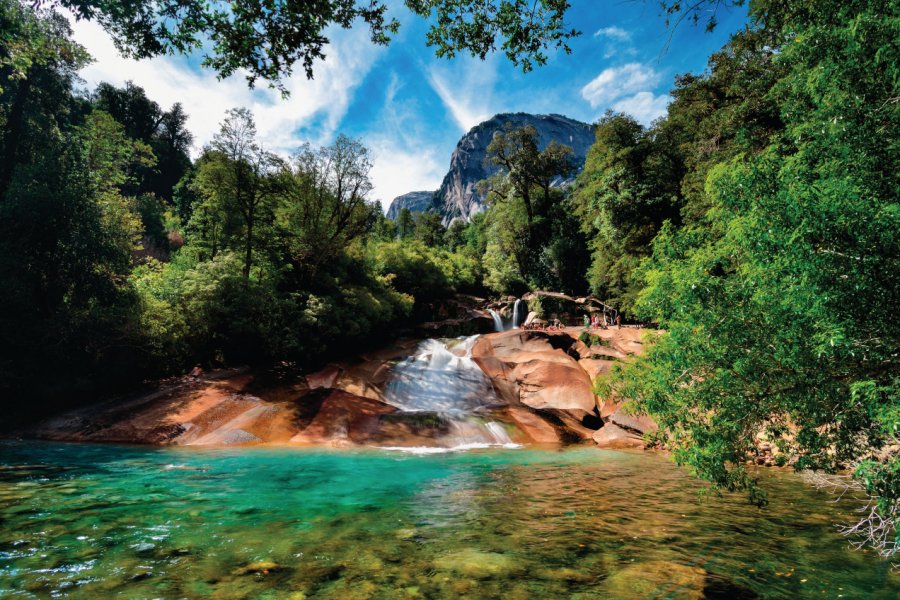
(425, 450)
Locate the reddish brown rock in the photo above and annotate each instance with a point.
(608, 407)
(343, 417)
(613, 436)
(324, 378)
(553, 384)
(535, 427)
(594, 367)
(635, 422)
(579, 350)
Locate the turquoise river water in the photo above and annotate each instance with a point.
(83, 521)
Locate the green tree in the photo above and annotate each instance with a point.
(629, 187)
(239, 177)
(525, 247)
(67, 314)
(38, 64)
(525, 173)
(405, 223)
(325, 206)
(779, 306)
(164, 132)
(429, 229)
(265, 40)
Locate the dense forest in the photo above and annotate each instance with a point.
(757, 224)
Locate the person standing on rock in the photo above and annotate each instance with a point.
(587, 322)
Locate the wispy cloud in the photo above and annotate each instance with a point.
(616, 82)
(466, 90)
(616, 42)
(643, 106)
(404, 158)
(315, 108)
(615, 33)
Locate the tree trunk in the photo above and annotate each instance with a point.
(11, 135)
(526, 198)
(248, 253)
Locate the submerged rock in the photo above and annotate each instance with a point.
(477, 564)
(262, 567)
(656, 579)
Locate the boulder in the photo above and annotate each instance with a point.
(613, 436)
(578, 424)
(552, 383)
(655, 579)
(343, 418)
(595, 367)
(323, 378)
(608, 407)
(532, 425)
(638, 423)
(579, 350)
(478, 564)
(508, 345)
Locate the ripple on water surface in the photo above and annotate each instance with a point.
(99, 521)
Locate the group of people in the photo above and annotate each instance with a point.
(596, 321)
(543, 325)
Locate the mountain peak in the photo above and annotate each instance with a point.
(457, 197)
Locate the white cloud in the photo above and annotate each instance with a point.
(643, 106)
(403, 159)
(616, 82)
(400, 169)
(615, 33)
(322, 102)
(469, 96)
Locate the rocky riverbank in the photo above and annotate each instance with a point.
(539, 389)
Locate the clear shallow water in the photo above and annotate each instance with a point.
(104, 521)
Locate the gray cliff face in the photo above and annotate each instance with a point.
(414, 201)
(458, 198)
(469, 165)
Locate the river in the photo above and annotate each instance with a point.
(91, 521)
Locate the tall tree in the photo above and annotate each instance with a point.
(326, 202)
(779, 304)
(526, 173)
(38, 63)
(237, 175)
(164, 131)
(629, 187)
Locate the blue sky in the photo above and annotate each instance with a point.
(411, 108)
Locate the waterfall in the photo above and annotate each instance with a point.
(515, 319)
(441, 377)
(498, 322)
(500, 436)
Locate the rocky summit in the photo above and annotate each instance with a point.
(457, 196)
(414, 201)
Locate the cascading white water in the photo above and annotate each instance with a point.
(515, 318)
(499, 325)
(498, 321)
(500, 436)
(442, 378)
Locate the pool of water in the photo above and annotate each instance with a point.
(81, 521)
